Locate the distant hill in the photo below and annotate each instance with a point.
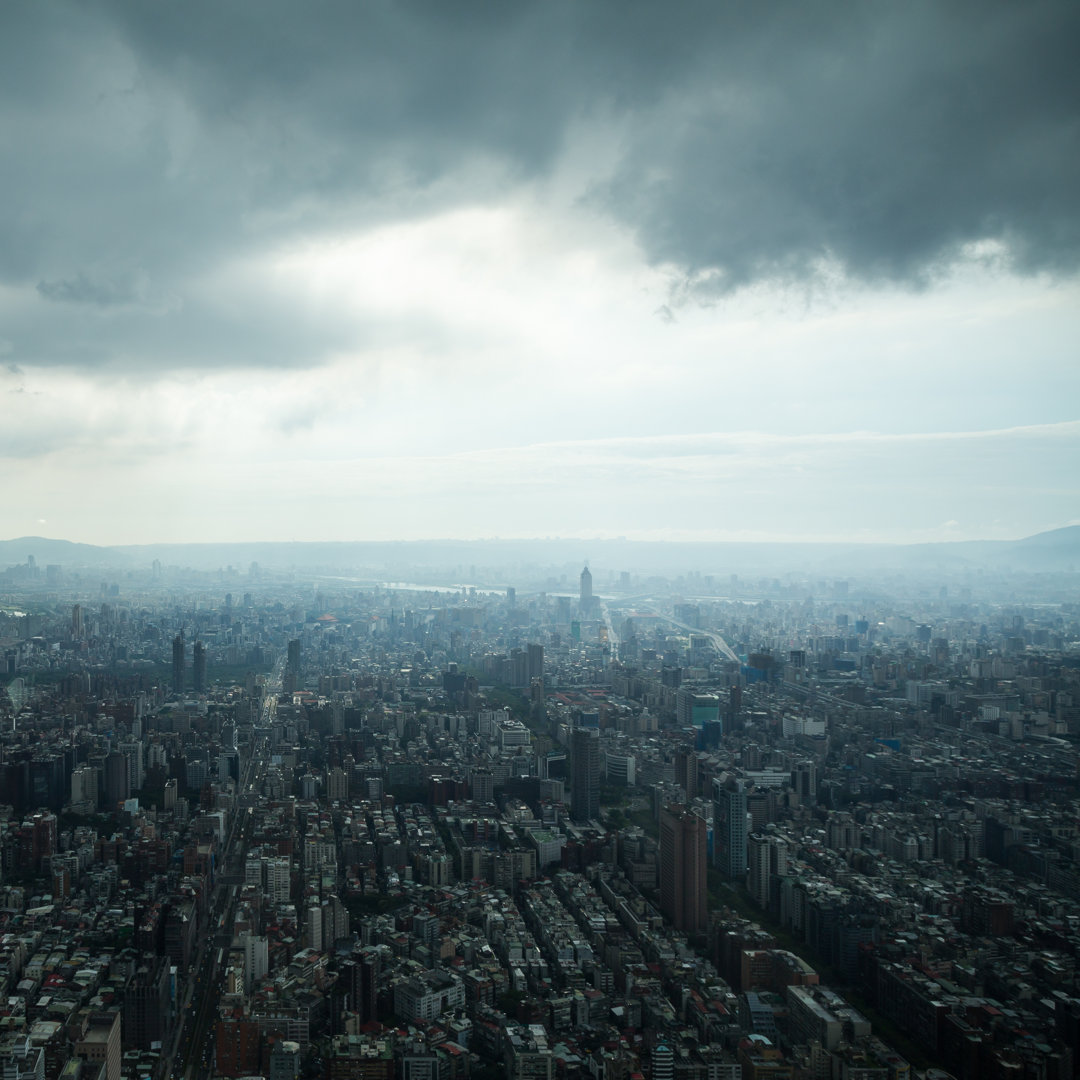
(60, 552)
(1055, 551)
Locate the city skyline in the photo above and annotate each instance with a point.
(366, 274)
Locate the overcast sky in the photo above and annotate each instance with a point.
(381, 270)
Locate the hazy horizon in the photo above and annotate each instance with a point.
(554, 539)
(355, 273)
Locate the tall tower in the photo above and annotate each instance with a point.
(76, 622)
(178, 663)
(584, 774)
(586, 588)
(683, 868)
(730, 828)
(198, 667)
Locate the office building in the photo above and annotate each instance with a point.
(584, 774)
(693, 709)
(683, 867)
(256, 960)
(663, 1062)
(292, 667)
(178, 663)
(117, 779)
(804, 782)
(284, 1060)
(730, 828)
(483, 786)
(767, 859)
(147, 1013)
(100, 1042)
(133, 752)
(686, 773)
(198, 668)
(535, 652)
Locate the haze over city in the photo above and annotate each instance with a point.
(539, 540)
(370, 272)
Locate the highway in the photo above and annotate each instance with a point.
(719, 643)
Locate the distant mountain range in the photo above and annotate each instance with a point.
(1055, 551)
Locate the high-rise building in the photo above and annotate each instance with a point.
(730, 828)
(683, 868)
(84, 787)
(76, 622)
(147, 1014)
(483, 786)
(767, 856)
(694, 709)
(663, 1062)
(43, 838)
(586, 587)
(100, 1042)
(133, 751)
(285, 1060)
(277, 880)
(686, 773)
(198, 668)
(292, 666)
(178, 663)
(314, 927)
(337, 785)
(117, 779)
(363, 990)
(804, 782)
(256, 959)
(584, 774)
(535, 661)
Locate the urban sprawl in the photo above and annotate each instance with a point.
(256, 823)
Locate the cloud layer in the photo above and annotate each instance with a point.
(149, 145)
(326, 251)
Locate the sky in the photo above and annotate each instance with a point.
(340, 271)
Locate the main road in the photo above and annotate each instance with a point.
(192, 1048)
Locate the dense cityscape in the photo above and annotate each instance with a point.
(539, 540)
(596, 824)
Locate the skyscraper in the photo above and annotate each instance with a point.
(586, 589)
(76, 622)
(683, 867)
(584, 774)
(729, 828)
(178, 663)
(198, 667)
(535, 652)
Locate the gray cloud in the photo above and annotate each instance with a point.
(83, 289)
(756, 143)
(884, 139)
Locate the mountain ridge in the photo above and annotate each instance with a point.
(1055, 550)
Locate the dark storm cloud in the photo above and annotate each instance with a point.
(883, 137)
(148, 143)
